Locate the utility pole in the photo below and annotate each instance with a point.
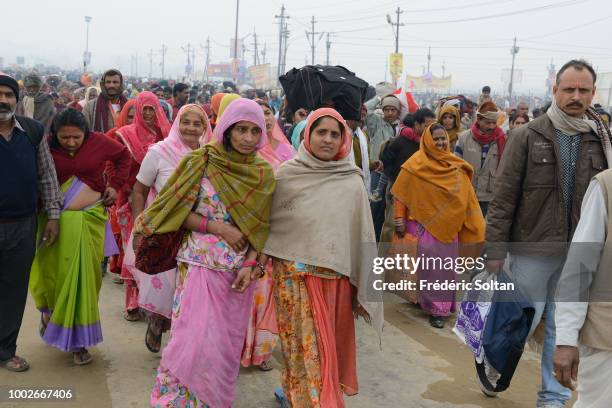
(187, 50)
(193, 61)
(134, 65)
(312, 44)
(514, 50)
(328, 46)
(443, 69)
(151, 63)
(397, 26)
(282, 36)
(255, 51)
(263, 53)
(163, 59)
(429, 61)
(235, 64)
(311, 39)
(207, 48)
(86, 54)
(396, 32)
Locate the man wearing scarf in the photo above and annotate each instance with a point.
(541, 182)
(102, 112)
(35, 104)
(482, 147)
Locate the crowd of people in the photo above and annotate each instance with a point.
(237, 224)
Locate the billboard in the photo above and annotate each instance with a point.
(428, 82)
(220, 70)
(261, 75)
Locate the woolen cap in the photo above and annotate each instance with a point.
(11, 83)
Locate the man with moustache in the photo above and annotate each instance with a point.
(541, 182)
(102, 112)
(482, 146)
(28, 175)
(35, 104)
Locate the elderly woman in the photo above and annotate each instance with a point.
(150, 126)
(221, 195)
(156, 292)
(65, 279)
(449, 216)
(320, 226)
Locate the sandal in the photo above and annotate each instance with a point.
(132, 315)
(42, 326)
(436, 322)
(15, 364)
(82, 357)
(151, 339)
(266, 366)
(279, 394)
(117, 279)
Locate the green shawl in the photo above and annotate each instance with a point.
(245, 184)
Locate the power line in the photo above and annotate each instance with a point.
(369, 16)
(506, 14)
(565, 30)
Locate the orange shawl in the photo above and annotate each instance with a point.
(436, 188)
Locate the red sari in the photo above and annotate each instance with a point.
(137, 137)
(116, 261)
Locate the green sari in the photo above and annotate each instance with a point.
(66, 276)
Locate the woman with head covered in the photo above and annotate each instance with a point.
(436, 203)
(320, 219)
(221, 194)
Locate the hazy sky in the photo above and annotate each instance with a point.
(474, 52)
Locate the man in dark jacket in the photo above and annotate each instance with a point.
(28, 173)
(541, 181)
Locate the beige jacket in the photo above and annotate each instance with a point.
(484, 177)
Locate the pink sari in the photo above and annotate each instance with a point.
(156, 292)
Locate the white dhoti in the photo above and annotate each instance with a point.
(594, 378)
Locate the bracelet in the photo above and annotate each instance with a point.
(262, 269)
(203, 224)
(249, 264)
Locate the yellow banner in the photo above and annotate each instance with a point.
(396, 64)
(427, 82)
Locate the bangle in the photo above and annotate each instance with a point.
(261, 268)
(203, 224)
(249, 264)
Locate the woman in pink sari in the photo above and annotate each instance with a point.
(156, 292)
(221, 195)
(149, 127)
(278, 150)
(260, 343)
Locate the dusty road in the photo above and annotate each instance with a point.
(418, 367)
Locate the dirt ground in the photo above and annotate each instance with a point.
(418, 366)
